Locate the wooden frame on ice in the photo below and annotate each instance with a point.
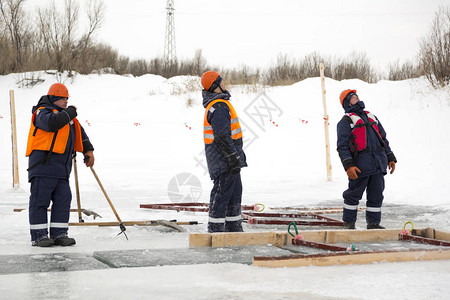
(281, 239)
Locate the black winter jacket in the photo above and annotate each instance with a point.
(59, 165)
(220, 122)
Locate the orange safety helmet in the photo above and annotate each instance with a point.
(344, 94)
(208, 79)
(58, 89)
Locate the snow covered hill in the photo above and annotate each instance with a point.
(147, 130)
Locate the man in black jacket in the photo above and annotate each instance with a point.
(55, 134)
(224, 155)
(365, 154)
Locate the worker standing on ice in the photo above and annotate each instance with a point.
(224, 155)
(365, 155)
(54, 135)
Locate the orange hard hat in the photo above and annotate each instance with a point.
(344, 94)
(208, 78)
(58, 89)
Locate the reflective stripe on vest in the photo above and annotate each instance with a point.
(358, 139)
(39, 139)
(235, 127)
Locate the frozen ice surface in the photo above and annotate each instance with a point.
(163, 257)
(48, 262)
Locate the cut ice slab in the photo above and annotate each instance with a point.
(48, 262)
(190, 256)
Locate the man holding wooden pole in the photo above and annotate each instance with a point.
(54, 135)
(365, 154)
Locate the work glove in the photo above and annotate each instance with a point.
(392, 166)
(234, 162)
(351, 172)
(89, 158)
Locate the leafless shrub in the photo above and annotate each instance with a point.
(434, 53)
(356, 65)
(28, 79)
(403, 71)
(190, 102)
(139, 67)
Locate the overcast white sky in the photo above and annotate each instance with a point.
(254, 32)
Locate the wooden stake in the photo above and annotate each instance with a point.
(325, 117)
(15, 169)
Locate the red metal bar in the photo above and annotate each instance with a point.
(323, 246)
(176, 207)
(188, 206)
(307, 208)
(282, 215)
(423, 240)
(252, 220)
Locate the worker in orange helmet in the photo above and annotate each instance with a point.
(224, 155)
(365, 154)
(55, 134)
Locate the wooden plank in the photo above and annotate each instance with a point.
(441, 235)
(350, 258)
(230, 239)
(200, 240)
(350, 236)
(280, 239)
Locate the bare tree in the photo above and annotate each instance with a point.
(17, 29)
(59, 35)
(434, 53)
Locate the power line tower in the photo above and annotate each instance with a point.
(169, 46)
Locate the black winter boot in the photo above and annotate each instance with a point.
(65, 241)
(45, 242)
(375, 226)
(350, 226)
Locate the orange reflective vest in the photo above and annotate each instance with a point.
(39, 139)
(236, 131)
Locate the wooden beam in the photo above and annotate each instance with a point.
(200, 240)
(350, 236)
(298, 260)
(232, 239)
(441, 235)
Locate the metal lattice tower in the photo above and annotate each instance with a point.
(170, 56)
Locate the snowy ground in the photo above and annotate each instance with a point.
(144, 134)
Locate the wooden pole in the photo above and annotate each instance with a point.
(77, 188)
(106, 195)
(121, 225)
(15, 166)
(325, 117)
